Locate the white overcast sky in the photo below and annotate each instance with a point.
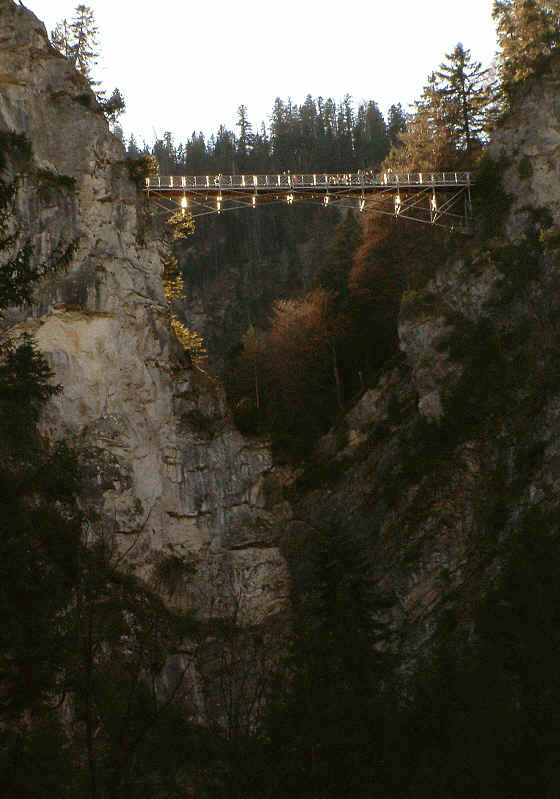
(185, 65)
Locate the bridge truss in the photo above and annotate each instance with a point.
(436, 198)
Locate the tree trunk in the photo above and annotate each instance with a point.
(336, 375)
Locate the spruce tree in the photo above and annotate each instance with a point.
(334, 271)
(61, 37)
(371, 142)
(84, 40)
(325, 730)
(77, 40)
(244, 141)
(449, 117)
(396, 123)
(528, 34)
(114, 107)
(429, 142)
(463, 86)
(39, 526)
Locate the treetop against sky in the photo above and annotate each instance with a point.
(185, 67)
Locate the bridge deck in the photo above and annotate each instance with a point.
(354, 182)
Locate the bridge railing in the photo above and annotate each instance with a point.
(319, 180)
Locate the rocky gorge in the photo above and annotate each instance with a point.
(432, 470)
(170, 476)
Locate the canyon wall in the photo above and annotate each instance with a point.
(168, 474)
(458, 445)
(432, 470)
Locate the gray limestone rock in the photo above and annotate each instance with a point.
(168, 470)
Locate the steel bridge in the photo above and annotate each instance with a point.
(437, 198)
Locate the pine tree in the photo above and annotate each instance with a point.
(166, 153)
(463, 87)
(245, 139)
(345, 128)
(449, 118)
(429, 142)
(260, 153)
(528, 33)
(132, 149)
(333, 273)
(196, 154)
(78, 41)
(396, 123)
(325, 731)
(114, 106)
(282, 147)
(371, 143)
(224, 151)
(39, 522)
(84, 40)
(61, 37)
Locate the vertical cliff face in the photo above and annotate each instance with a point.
(168, 473)
(448, 456)
(433, 469)
(527, 148)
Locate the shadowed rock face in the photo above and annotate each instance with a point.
(168, 472)
(440, 463)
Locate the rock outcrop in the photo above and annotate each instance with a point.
(527, 147)
(441, 462)
(169, 474)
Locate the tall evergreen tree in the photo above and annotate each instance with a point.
(260, 153)
(225, 151)
(165, 151)
(280, 134)
(325, 731)
(396, 123)
(333, 273)
(371, 143)
(528, 33)
(196, 154)
(85, 42)
(429, 142)
(245, 138)
(132, 149)
(61, 37)
(77, 40)
(39, 528)
(463, 86)
(449, 118)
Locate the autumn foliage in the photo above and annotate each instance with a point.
(302, 367)
(285, 380)
(319, 351)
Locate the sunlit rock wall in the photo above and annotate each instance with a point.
(168, 473)
(527, 147)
